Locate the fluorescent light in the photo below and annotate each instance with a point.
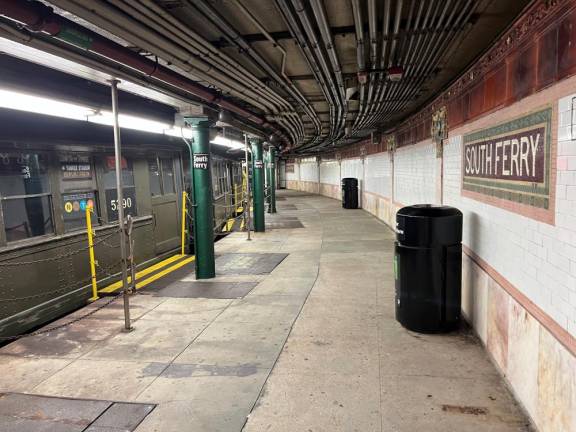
(227, 142)
(43, 105)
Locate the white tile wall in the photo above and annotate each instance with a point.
(353, 168)
(330, 172)
(415, 174)
(309, 171)
(295, 175)
(378, 174)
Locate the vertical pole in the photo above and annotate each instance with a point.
(91, 253)
(130, 225)
(203, 200)
(258, 179)
(272, 176)
(120, 201)
(247, 205)
(183, 239)
(266, 179)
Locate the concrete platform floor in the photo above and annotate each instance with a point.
(313, 347)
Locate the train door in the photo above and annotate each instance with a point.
(165, 190)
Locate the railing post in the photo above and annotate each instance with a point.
(183, 238)
(91, 253)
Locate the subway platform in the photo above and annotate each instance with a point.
(296, 333)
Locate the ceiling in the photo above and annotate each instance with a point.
(317, 74)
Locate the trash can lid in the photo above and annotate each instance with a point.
(429, 210)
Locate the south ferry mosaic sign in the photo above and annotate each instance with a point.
(511, 160)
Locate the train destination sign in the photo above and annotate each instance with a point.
(76, 167)
(511, 160)
(201, 161)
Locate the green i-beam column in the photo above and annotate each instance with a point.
(203, 206)
(267, 179)
(272, 177)
(258, 183)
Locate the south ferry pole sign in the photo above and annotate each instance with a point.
(511, 160)
(201, 161)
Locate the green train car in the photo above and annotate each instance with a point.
(50, 172)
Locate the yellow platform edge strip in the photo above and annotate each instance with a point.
(139, 275)
(164, 272)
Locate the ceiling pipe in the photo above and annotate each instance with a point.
(294, 28)
(361, 52)
(413, 56)
(337, 124)
(40, 18)
(155, 17)
(383, 84)
(328, 39)
(286, 82)
(236, 39)
(373, 32)
(113, 20)
(393, 88)
(440, 46)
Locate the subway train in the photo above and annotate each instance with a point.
(51, 171)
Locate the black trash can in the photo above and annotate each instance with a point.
(350, 193)
(428, 267)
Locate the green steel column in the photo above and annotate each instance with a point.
(258, 182)
(267, 178)
(203, 206)
(272, 177)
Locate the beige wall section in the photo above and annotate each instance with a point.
(525, 317)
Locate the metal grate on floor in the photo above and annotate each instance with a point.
(248, 263)
(283, 222)
(206, 289)
(33, 413)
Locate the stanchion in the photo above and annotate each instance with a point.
(183, 238)
(247, 208)
(129, 226)
(91, 253)
(120, 200)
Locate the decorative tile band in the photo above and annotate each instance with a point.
(511, 161)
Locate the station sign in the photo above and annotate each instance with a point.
(510, 160)
(201, 161)
(258, 163)
(128, 203)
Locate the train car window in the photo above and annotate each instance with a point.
(25, 195)
(155, 179)
(215, 175)
(109, 177)
(168, 176)
(219, 178)
(78, 187)
(109, 180)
